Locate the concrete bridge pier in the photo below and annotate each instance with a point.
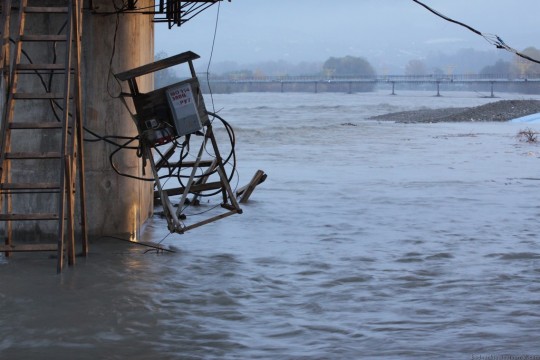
(116, 204)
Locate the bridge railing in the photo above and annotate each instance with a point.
(377, 78)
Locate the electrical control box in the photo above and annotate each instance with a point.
(183, 108)
(170, 112)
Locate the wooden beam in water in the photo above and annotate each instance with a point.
(245, 191)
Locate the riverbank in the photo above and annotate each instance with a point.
(503, 110)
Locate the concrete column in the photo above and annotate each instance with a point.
(116, 204)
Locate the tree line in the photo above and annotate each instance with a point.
(336, 67)
(517, 67)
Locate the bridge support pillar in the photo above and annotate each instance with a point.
(438, 88)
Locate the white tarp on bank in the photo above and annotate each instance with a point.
(529, 119)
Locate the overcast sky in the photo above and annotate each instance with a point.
(379, 30)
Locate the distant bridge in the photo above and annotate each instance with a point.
(352, 84)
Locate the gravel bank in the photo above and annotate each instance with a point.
(502, 110)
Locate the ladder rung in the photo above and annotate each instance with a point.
(46, 9)
(36, 125)
(28, 247)
(33, 155)
(40, 216)
(34, 67)
(29, 186)
(37, 96)
(43, 37)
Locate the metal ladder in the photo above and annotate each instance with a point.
(56, 160)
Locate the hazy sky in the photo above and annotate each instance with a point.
(379, 30)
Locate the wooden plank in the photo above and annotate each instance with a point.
(46, 9)
(63, 170)
(27, 247)
(30, 186)
(36, 67)
(33, 155)
(38, 96)
(79, 121)
(247, 190)
(207, 221)
(46, 38)
(157, 65)
(36, 125)
(70, 184)
(17, 217)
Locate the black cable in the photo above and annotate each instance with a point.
(185, 152)
(447, 18)
(185, 146)
(47, 85)
(232, 154)
(31, 62)
(201, 212)
(111, 161)
(490, 38)
(139, 243)
(111, 60)
(211, 56)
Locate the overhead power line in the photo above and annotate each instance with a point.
(490, 38)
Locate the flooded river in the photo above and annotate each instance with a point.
(368, 240)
